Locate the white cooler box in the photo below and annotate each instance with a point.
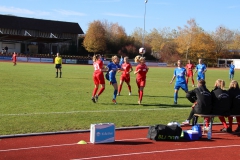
(102, 133)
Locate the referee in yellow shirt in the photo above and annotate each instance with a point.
(58, 65)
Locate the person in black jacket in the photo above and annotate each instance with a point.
(6, 49)
(221, 103)
(234, 93)
(201, 99)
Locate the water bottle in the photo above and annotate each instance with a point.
(209, 134)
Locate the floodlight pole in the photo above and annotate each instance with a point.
(144, 25)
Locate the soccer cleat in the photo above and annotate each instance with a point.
(187, 122)
(175, 103)
(223, 130)
(93, 99)
(114, 101)
(193, 85)
(96, 98)
(139, 102)
(118, 94)
(129, 93)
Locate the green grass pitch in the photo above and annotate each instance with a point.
(33, 100)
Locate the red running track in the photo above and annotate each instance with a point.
(129, 144)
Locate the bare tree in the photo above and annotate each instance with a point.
(222, 37)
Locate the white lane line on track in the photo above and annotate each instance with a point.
(71, 112)
(38, 147)
(152, 152)
(60, 145)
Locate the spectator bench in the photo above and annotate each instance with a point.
(211, 118)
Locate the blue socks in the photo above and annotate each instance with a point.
(115, 94)
(175, 97)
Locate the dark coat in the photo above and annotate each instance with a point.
(202, 96)
(235, 101)
(221, 102)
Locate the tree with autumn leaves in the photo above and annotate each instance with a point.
(109, 38)
(166, 45)
(95, 39)
(193, 43)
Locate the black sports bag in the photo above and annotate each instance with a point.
(161, 132)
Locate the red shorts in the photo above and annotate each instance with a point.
(141, 82)
(189, 74)
(125, 78)
(98, 78)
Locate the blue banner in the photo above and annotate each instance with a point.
(5, 58)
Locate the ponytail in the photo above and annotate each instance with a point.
(96, 57)
(137, 59)
(220, 83)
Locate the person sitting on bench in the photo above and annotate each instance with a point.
(234, 93)
(221, 103)
(201, 99)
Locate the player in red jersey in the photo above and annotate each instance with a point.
(141, 71)
(127, 68)
(98, 77)
(189, 67)
(14, 59)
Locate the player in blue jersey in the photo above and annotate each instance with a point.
(113, 67)
(180, 74)
(201, 69)
(231, 71)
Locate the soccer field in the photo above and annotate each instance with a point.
(33, 100)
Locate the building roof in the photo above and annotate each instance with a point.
(21, 23)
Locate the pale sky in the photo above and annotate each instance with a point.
(209, 14)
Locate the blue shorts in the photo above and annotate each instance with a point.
(112, 79)
(200, 76)
(181, 85)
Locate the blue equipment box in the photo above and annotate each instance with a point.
(102, 133)
(191, 135)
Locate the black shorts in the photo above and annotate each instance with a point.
(58, 66)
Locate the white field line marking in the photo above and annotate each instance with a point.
(59, 145)
(163, 151)
(97, 111)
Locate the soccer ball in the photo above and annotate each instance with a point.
(141, 50)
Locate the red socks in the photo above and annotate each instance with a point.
(94, 91)
(140, 95)
(101, 90)
(222, 119)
